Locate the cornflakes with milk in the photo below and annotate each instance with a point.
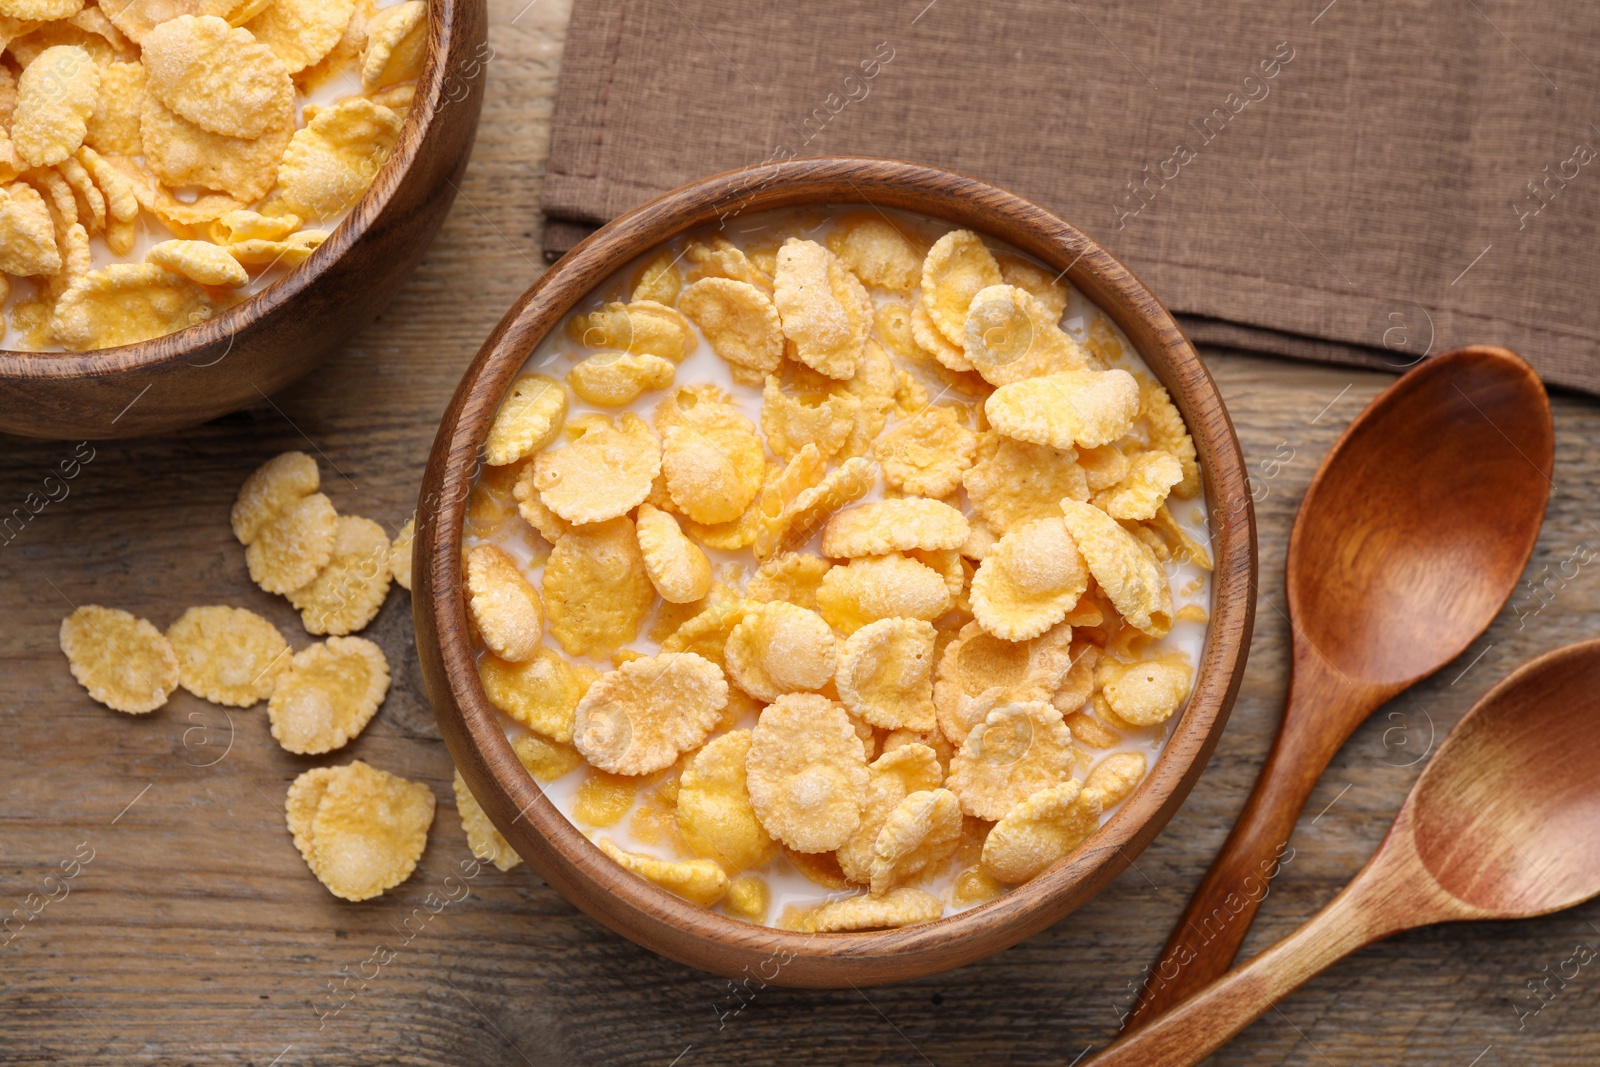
(820, 615)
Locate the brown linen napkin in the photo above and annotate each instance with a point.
(1343, 181)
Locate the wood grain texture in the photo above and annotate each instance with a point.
(263, 343)
(660, 920)
(196, 935)
(1410, 539)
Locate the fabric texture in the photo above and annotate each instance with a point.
(1360, 183)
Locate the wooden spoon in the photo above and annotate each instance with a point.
(1503, 824)
(1410, 538)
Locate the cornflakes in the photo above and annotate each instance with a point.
(880, 587)
(793, 421)
(288, 552)
(603, 799)
(1114, 777)
(1086, 408)
(676, 566)
(1040, 830)
(1021, 482)
(707, 633)
(1168, 434)
(604, 473)
(596, 589)
(891, 778)
(659, 281)
(396, 39)
(877, 253)
(541, 693)
(301, 32)
(979, 672)
(714, 810)
(121, 660)
(900, 907)
(1151, 475)
(1010, 336)
(787, 522)
(1123, 566)
(330, 162)
(199, 261)
(807, 773)
(400, 555)
(701, 881)
(927, 454)
(182, 153)
(347, 593)
(640, 327)
(125, 303)
(328, 695)
(739, 321)
(793, 576)
(485, 842)
(228, 655)
(1029, 581)
(779, 648)
(825, 311)
(1046, 288)
(957, 267)
(504, 607)
(546, 760)
(56, 94)
(711, 457)
(1147, 692)
(900, 525)
(279, 482)
(885, 674)
(723, 259)
(612, 379)
(749, 898)
(1019, 749)
(27, 234)
(217, 77)
(927, 337)
(923, 830)
(369, 831)
(640, 717)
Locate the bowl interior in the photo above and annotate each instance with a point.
(650, 915)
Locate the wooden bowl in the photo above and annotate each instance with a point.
(266, 341)
(651, 916)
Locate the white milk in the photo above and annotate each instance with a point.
(557, 354)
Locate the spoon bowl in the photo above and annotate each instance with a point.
(1503, 824)
(1409, 540)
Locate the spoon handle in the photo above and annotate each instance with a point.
(1322, 710)
(1206, 1021)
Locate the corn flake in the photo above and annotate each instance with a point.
(1011, 336)
(596, 589)
(877, 253)
(956, 268)
(484, 841)
(900, 907)
(27, 233)
(1019, 749)
(712, 457)
(182, 153)
(546, 760)
(706, 634)
(700, 882)
(1020, 482)
(891, 778)
(723, 259)
(927, 454)
(612, 379)
(300, 805)
(739, 321)
(749, 898)
(1149, 691)
(400, 554)
(528, 419)
(127, 302)
(1115, 777)
(640, 327)
(228, 655)
(121, 660)
(881, 587)
(290, 550)
(659, 281)
(825, 311)
(793, 577)
(979, 672)
(347, 593)
(885, 674)
(1045, 287)
(1168, 434)
(217, 77)
(779, 648)
(606, 472)
(807, 772)
(504, 607)
(396, 40)
(1085, 408)
(369, 831)
(921, 832)
(714, 810)
(541, 693)
(199, 261)
(328, 695)
(1044, 828)
(789, 521)
(898, 525)
(793, 420)
(275, 485)
(1123, 566)
(330, 162)
(56, 94)
(677, 568)
(1151, 476)
(1029, 581)
(640, 717)
(301, 32)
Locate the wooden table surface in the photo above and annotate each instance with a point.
(195, 934)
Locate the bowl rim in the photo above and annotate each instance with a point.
(654, 917)
(222, 327)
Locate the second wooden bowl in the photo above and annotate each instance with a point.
(655, 918)
(268, 340)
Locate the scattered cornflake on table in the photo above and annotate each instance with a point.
(360, 830)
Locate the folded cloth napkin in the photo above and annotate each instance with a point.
(1362, 183)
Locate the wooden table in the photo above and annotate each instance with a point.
(196, 934)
